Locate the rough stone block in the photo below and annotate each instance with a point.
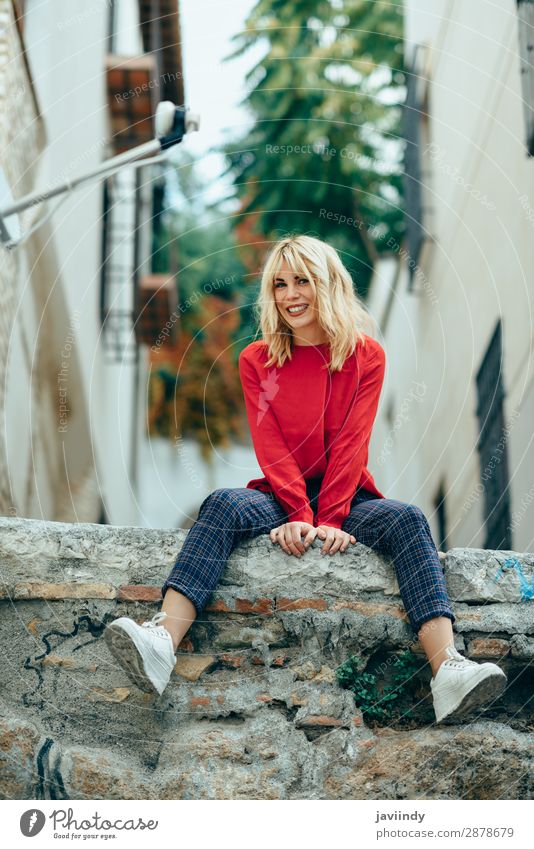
(488, 647)
(43, 590)
(191, 667)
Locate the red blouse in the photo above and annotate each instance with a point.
(307, 423)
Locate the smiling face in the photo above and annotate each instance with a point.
(295, 299)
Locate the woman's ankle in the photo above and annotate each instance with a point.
(438, 660)
(180, 615)
(176, 638)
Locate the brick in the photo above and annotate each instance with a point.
(261, 606)
(139, 592)
(233, 661)
(322, 720)
(488, 647)
(186, 645)
(264, 697)
(257, 661)
(217, 606)
(301, 604)
(45, 590)
(357, 720)
(199, 701)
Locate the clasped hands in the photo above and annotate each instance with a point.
(289, 537)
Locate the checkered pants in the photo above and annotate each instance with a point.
(390, 527)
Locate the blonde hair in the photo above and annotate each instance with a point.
(341, 313)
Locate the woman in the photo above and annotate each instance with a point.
(311, 387)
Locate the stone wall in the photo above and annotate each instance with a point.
(254, 709)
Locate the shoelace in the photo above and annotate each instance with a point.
(154, 623)
(457, 664)
(458, 661)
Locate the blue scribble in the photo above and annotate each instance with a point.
(526, 586)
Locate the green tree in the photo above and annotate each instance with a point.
(196, 242)
(329, 89)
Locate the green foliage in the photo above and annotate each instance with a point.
(331, 82)
(194, 387)
(375, 702)
(197, 242)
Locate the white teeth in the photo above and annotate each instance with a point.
(297, 309)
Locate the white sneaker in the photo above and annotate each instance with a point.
(461, 685)
(145, 651)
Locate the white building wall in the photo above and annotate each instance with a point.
(66, 48)
(480, 268)
(65, 469)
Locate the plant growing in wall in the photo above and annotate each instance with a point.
(380, 703)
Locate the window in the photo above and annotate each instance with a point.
(119, 266)
(492, 446)
(525, 14)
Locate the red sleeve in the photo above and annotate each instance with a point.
(347, 455)
(276, 461)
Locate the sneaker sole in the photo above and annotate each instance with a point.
(124, 650)
(489, 689)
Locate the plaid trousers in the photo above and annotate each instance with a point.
(394, 528)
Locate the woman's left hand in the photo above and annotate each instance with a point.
(335, 539)
(289, 537)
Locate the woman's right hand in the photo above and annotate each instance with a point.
(335, 539)
(289, 537)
